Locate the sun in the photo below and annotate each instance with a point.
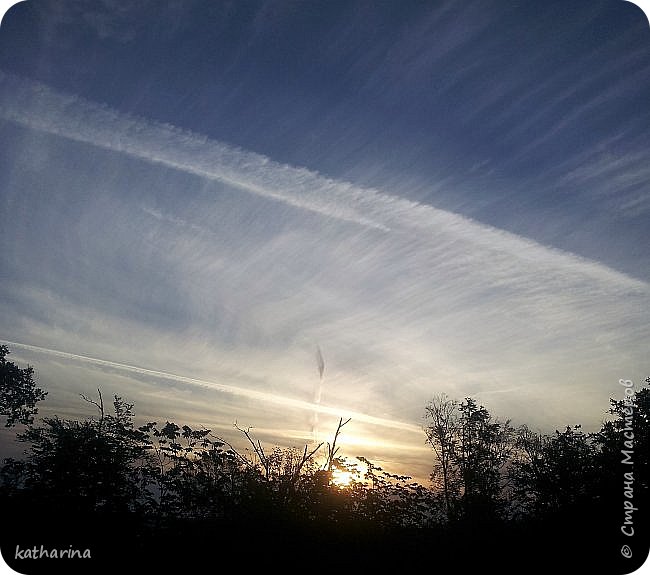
(342, 478)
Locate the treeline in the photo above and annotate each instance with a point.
(168, 494)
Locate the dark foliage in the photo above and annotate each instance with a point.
(167, 497)
(18, 391)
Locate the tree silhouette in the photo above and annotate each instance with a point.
(442, 434)
(179, 490)
(18, 391)
(628, 431)
(472, 451)
(482, 454)
(553, 472)
(88, 464)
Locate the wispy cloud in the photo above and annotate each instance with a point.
(79, 120)
(231, 284)
(256, 395)
(41, 108)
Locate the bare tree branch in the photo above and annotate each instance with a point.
(259, 450)
(99, 405)
(332, 450)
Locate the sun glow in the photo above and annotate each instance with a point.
(342, 478)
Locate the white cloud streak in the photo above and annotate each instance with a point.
(40, 108)
(255, 395)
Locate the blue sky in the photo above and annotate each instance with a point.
(445, 197)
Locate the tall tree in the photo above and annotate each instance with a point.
(483, 450)
(442, 431)
(472, 450)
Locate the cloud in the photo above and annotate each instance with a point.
(167, 256)
(79, 120)
(43, 109)
(255, 395)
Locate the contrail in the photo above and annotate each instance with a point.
(41, 108)
(320, 362)
(319, 389)
(260, 396)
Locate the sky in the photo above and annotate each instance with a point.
(202, 204)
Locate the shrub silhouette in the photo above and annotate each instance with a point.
(170, 492)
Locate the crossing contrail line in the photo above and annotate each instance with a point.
(260, 396)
